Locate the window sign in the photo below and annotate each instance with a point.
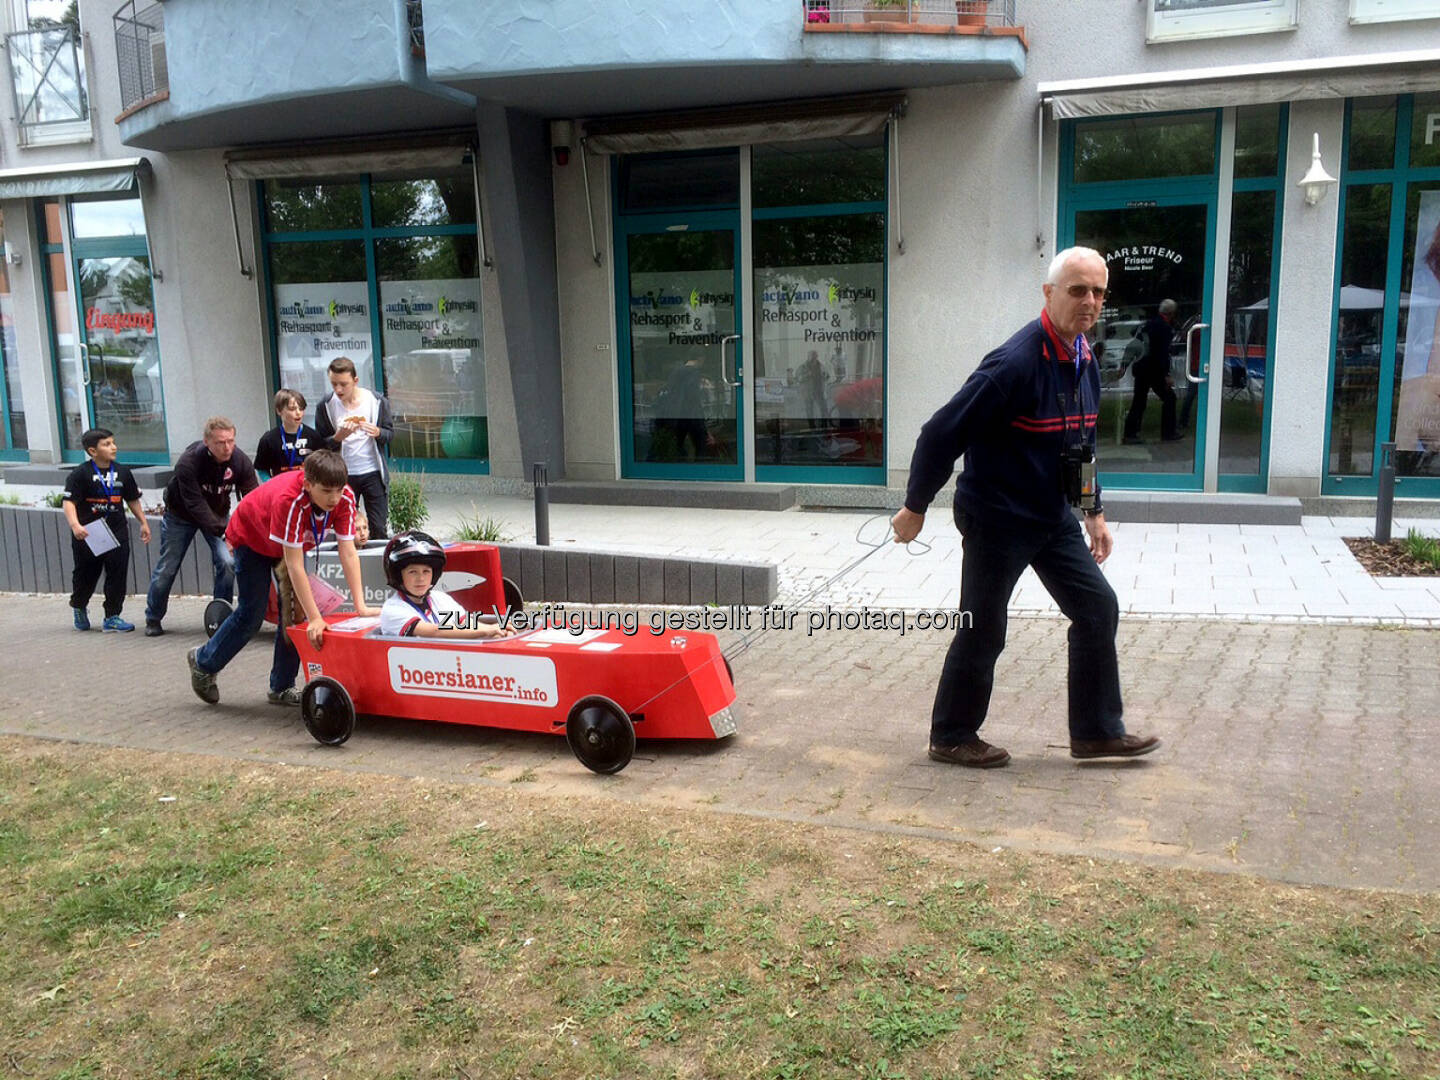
(1417, 424)
(1172, 20)
(317, 322)
(1366, 11)
(435, 367)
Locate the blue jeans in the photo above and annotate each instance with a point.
(995, 557)
(252, 579)
(176, 535)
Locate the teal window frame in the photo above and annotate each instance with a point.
(105, 247)
(1399, 176)
(9, 452)
(368, 233)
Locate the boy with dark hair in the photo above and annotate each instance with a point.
(285, 446)
(358, 424)
(96, 495)
(278, 522)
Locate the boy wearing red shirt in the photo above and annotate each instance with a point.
(278, 522)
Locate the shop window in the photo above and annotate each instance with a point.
(1257, 141)
(1372, 134)
(1173, 20)
(322, 312)
(1356, 374)
(656, 183)
(1425, 131)
(1366, 11)
(819, 340)
(12, 425)
(92, 219)
(444, 199)
(818, 172)
(312, 205)
(1415, 410)
(433, 352)
(1145, 147)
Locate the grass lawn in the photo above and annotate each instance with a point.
(170, 916)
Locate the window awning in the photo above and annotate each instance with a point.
(85, 178)
(306, 161)
(1248, 84)
(734, 125)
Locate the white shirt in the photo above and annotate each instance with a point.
(398, 615)
(360, 451)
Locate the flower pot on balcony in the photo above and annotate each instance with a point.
(888, 13)
(971, 12)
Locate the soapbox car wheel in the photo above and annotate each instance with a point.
(514, 601)
(328, 711)
(216, 612)
(600, 734)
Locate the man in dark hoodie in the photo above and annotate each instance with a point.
(1027, 409)
(197, 500)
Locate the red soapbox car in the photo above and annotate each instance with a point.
(600, 687)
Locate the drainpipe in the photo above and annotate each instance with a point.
(414, 75)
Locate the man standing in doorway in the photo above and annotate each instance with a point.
(197, 500)
(357, 423)
(1025, 421)
(1152, 373)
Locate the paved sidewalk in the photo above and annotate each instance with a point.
(1301, 751)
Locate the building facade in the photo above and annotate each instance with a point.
(754, 242)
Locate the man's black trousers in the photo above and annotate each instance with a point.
(370, 487)
(115, 564)
(995, 557)
(1145, 383)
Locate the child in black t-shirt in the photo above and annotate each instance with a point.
(286, 446)
(98, 492)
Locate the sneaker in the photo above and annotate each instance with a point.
(114, 624)
(1124, 746)
(82, 618)
(289, 696)
(154, 629)
(202, 682)
(974, 755)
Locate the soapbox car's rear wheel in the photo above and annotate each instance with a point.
(216, 612)
(328, 711)
(514, 601)
(600, 734)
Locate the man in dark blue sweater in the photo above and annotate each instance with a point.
(1029, 407)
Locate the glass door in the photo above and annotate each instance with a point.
(681, 362)
(120, 355)
(1151, 429)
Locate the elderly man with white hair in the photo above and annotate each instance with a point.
(1025, 422)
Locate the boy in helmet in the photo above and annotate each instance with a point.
(414, 561)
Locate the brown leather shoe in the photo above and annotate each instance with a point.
(1124, 746)
(974, 755)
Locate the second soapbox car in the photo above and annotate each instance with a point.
(600, 687)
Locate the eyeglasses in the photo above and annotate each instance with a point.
(1079, 291)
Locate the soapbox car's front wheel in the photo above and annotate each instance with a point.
(328, 711)
(514, 601)
(600, 734)
(216, 612)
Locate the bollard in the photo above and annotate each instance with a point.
(542, 505)
(1385, 497)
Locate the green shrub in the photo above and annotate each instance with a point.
(408, 509)
(486, 530)
(55, 499)
(1422, 547)
(10, 499)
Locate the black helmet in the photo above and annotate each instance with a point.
(407, 548)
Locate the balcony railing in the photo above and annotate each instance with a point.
(898, 13)
(140, 53)
(48, 79)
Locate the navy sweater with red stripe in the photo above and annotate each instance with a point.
(1011, 418)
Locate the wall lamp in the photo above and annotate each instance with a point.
(1317, 181)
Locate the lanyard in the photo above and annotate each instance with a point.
(426, 612)
(318, 532)
(107, 481)
(292, 450)
(1080, 350)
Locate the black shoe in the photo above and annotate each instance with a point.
(973, 755)
(154, 629)
(1124, 746)
(1133, 440)
(202, 682)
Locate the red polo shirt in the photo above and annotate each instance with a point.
(278, 514)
